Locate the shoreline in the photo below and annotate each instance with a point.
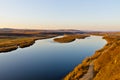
(28, 41)
(82, 70)
(99, 62)
(20, 43)
(106, 62)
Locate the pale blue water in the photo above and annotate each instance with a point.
(46, 59)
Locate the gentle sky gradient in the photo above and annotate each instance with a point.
(60, 14)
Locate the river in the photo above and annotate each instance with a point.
(46, 59)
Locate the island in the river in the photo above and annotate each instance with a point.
(103, 65)
(70, 38)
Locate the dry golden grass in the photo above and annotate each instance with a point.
(12, 43)
(107, 64)
(106, 61)
(64, 39)
(70, 38)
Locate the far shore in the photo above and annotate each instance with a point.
(10, 44)
(11, 39)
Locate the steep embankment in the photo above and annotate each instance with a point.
(106, 63)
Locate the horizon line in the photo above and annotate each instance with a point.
(64, 29)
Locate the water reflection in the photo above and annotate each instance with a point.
(47, 60)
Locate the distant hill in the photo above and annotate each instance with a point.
(35, 32)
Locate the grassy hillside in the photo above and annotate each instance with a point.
(106, 62)
(107, 65)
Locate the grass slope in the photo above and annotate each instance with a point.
(106, 61)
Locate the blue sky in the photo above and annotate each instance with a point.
(60, 14)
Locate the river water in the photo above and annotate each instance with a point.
(46, 59)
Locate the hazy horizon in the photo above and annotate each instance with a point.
(102, 15)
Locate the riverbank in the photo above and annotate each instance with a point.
(11, 39)
(105, 62)
(45, 53)
(12, 43)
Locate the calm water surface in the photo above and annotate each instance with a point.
(47, 60)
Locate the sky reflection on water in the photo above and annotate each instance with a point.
(47, 60)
